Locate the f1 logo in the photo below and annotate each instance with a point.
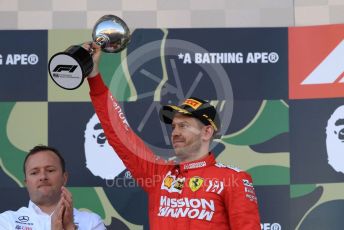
(330, 70)
(316, 62)
(68, 68)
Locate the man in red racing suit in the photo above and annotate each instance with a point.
(197, 194)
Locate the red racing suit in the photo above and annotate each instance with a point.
(196, 195)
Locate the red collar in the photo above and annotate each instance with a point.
(209, 160)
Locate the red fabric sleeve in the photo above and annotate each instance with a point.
(136, 156)
(241, 203)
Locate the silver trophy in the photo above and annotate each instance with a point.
(68, 69)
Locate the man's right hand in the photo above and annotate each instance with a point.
(92, 46)
(57, 217)
(68, 218)
(62, 218)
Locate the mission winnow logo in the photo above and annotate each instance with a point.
(316, 62)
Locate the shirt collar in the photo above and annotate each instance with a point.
(37, 209)
(208, 160)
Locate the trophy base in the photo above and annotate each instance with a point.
(69, 68)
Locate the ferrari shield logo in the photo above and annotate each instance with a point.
(195, 183)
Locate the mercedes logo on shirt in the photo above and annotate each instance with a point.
(23, 218)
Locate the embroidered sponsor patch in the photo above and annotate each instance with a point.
(249, 190)
(201, 209)
(195, 183)
(220, 165)
(192, 103)
(195, 165)
(215, 186)
(171, 183)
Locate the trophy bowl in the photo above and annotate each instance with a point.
(68, 69)
(111, 34)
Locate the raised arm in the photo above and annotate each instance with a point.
(137, 157)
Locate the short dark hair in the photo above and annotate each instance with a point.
(40, 148)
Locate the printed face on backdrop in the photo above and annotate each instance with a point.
(335, 139)
(101, 159)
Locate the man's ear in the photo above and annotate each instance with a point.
(208, 132)
(65, 177)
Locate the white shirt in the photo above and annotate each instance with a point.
(33, 218)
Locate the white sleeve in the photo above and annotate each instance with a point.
(98, 223)
(87, 220)
(4, 221)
